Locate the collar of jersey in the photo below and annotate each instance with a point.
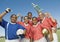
(13, 23)
(43, 19)
(25, 24)
(35, 25)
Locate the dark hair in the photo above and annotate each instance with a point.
(34, 17)
(29, 13)
(13, 15)
(25, 16)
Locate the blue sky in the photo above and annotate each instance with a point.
(25, 6)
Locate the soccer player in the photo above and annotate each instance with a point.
(38, 18)
(36, 31)
(46, 22)
(30, 17)
(27, 27)
(55, 38)
(10, 28)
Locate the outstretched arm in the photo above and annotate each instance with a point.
(4, 13)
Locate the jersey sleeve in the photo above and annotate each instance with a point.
(50, 22)
(19, 22)
(44, 26)
(3, 23)
(55, 24)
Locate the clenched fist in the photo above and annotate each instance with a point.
(8, 10)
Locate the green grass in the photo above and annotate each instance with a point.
(2, 39)
(58, 33)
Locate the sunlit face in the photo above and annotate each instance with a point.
(26, 20)
(41, 15)
(34, 20)
(13, 19)
(46, 14)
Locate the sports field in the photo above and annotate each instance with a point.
(58, 33)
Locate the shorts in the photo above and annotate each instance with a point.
(41, 40)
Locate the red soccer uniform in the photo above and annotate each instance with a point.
(36, 31)
(28, 27)
(30, 22)
(47, 22)
(54, 23)
(38, 18)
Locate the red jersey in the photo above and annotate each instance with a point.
(54, 23)
(36, 31)
(47, 22)
(27, 27)
(38, 18)
(30, 22)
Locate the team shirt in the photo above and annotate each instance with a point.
(11, 29)
(47, 22)
(38, 19)
(27, 27)
(30, 22)
(54, 23)
(36, 31)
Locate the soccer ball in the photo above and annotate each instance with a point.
(45, 31)
(20, 31)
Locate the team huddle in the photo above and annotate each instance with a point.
(29, 29)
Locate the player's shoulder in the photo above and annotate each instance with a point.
(29, 24)
(41, 24)
(18, 24)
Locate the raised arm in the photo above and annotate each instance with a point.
(49, 15)
(19, 15)
(4, 13)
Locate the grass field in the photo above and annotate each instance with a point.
(2, 39)
(58, 33)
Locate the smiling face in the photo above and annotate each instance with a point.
(41, 15)
(26, 19)
(13, 18)
(34, 20)
(47, 14)
(29, 15)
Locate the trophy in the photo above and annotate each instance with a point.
(37, 8)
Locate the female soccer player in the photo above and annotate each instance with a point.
(30, 17)
(55, 38)
(36, 31)
(27, 27)
(46, 21)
